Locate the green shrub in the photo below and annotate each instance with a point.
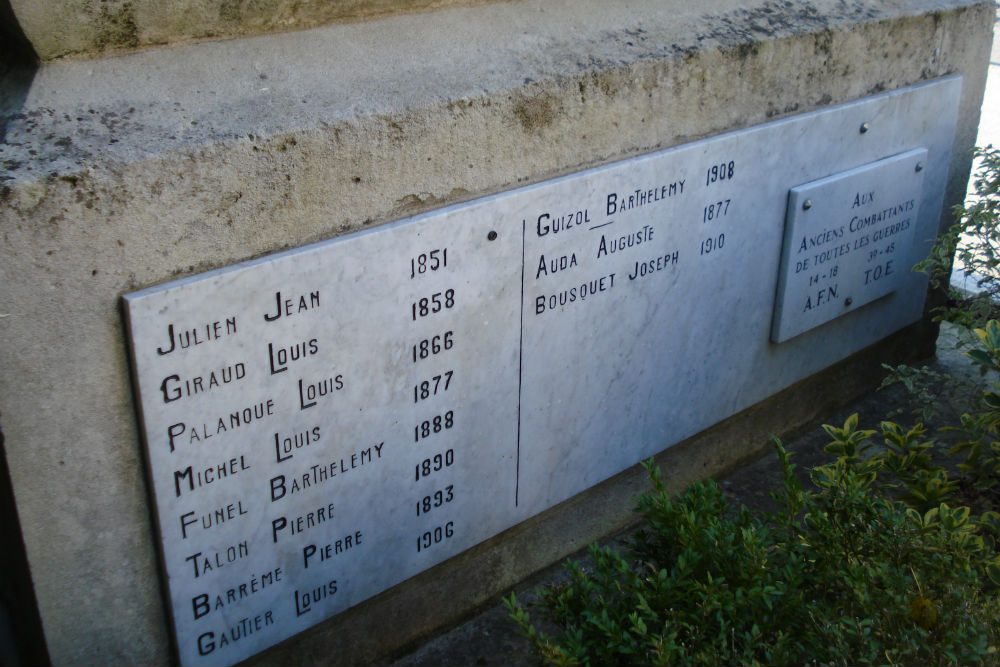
(974, 241)
(841, 575)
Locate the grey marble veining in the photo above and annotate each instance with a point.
(326, 422)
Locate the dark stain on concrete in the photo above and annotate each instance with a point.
(231, 10)
(771, 19)
(417, 203)
(538, 112)
(823, 42)
(116, 25)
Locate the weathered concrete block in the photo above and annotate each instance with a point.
(126, 172)
(89, 28)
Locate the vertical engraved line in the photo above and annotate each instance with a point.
(520, 355)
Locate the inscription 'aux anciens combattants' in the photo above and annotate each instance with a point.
(857, 231)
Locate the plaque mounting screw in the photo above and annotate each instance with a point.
(864, 127)
(492, 236)
(919, 167)
(848, 301)
(807, 204)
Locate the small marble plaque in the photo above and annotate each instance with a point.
(326, 422)
(844, 235)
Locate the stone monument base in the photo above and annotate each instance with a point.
(125, 172)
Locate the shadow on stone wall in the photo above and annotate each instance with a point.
(21, 639)
(16, 47)
(18, 63)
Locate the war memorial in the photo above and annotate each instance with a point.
(324, 323)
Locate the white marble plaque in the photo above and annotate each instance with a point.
(843, 237)
(324, 423)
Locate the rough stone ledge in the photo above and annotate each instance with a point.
(58, 28)
(388, 118)
(168, 99)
